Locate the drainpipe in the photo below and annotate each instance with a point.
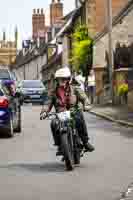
(110, 47)
(24, 73)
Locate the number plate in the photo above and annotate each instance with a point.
(35, 96)
(63, 116)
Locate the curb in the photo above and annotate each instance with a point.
(121, 122)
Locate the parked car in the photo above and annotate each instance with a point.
(33, 91)
(10, 109)
(6, 74)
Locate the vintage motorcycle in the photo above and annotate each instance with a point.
(70, 142)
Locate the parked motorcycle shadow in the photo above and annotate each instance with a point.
(36, 167)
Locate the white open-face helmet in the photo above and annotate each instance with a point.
(63, 73)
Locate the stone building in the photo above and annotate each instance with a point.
(29, 62)
(96, 13)
(101, 11)
(8, 50)
(28, 66)
(122, 33)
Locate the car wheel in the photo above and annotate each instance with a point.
(18, 128)
(10, 131)
(42, 103)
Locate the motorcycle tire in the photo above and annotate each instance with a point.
(77, 150)
(67, 152)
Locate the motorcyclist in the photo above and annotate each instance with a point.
(64, 97)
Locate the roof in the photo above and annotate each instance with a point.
(117, 19)
(69, 20)
(72, 17)
(53, 60)
(30, 55)
(68, 24)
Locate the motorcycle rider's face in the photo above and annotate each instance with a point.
(63, 81)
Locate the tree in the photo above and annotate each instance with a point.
(82, 51)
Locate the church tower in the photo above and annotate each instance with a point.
(16, 37)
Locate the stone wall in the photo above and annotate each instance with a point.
(32, 69)
(122, 32)
(130, 100)
(66, 51)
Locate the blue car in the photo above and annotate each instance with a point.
(10, 109)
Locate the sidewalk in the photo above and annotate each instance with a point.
(119, 114)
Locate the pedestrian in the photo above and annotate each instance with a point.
(91, 86)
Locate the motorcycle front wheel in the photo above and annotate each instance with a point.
(67, 151)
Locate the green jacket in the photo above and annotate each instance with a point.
(78, 98)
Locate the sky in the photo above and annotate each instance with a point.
(17, 12)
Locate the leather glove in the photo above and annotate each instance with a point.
(43, 114)
(87, 108)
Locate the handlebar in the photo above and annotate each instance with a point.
(42, 117)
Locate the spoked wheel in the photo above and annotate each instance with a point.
(77, 150)
(67, 152)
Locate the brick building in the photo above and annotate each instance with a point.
(38, 24)
(56, 11)
(39, 27)
(122, 34)
(101, 11)
(96, 13)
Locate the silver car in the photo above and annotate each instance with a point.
(33, 91)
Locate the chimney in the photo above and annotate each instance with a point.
(56, 11)
(34, 11)
(38, 11)
(42, 11)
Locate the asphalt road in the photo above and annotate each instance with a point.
(29, 169)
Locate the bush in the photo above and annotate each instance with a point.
(123, 89)
(82, 50)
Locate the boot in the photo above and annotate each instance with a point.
(88, 147)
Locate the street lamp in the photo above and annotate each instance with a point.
(110, 46)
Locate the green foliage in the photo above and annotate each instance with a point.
(81, 33)
(123, 89)
(82, 50)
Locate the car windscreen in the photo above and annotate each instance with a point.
(32, 84)
(4, 74)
